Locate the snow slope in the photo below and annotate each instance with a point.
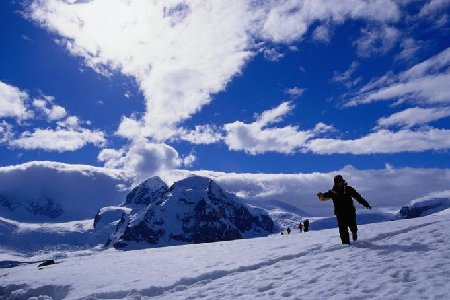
(29, 238)
(404, 259)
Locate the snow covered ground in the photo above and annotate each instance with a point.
(404, 259)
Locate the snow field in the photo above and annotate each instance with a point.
(406, 259)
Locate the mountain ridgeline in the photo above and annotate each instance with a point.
(193, 210)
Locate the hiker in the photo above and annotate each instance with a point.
(288, 230)
(344, 209)
(306, 225)
(300, 227)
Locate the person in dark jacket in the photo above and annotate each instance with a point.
(344, 209)
(306, 225)
(300, 226)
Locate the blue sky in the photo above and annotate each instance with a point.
(257, 87)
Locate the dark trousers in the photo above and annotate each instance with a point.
(345, 221)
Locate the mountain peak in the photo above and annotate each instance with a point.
(147, 192)
(194, 210)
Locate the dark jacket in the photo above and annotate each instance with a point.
(342, 199)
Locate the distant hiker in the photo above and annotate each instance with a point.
(300, 227)
(288, 230)
(344, 209)
(306, 225)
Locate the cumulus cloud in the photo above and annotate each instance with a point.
(181, 53)
(129, 128)
(142, 158)
(414, 116)
(13, 102)
(202, 134)
(189, 159)
(68, 135)
(52, 111)
(60, 139)
(258, 137)
(385, 141)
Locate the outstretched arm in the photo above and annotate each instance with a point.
(325, 196)
(360, 199)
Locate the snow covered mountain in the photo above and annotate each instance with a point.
(148, 192)
(193, 210)
(57, 192)
(424, 206)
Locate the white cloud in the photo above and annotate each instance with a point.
(129, 128)
(437, 64)
(202, 134)
(433, 7)
(142, 158)
(6, 132)
(390, 187)
(182, 52)
(272, 54)
(71, 122)
(376, 40)
(189, 159)
(98, 187)
(409, 48)
(80, 190)
(385, 141)
(13, 102)
(414, 116)
(295, 92)
(257, 137)
(68, 135)
(178, 59)
(442, 21)
(289, 20)
(432, 89)
(59, 139)
(424, 83)
(52, 111)
(345, 77)
(322, 34)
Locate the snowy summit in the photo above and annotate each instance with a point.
(193, 210)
